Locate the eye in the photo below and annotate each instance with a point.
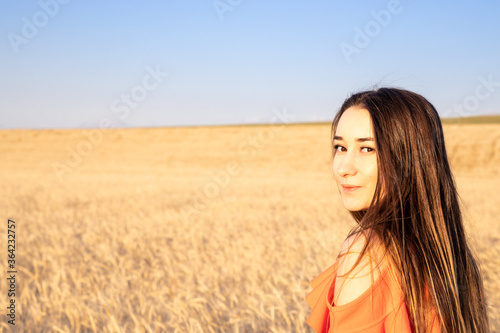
(339, 149)
(367, 149)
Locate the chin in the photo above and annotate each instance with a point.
(356, 209)
(354, 206)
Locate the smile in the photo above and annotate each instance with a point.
(349, 188)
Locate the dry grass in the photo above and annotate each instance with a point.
(138, 237)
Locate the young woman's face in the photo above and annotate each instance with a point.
(355, 161)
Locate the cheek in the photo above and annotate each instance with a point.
(335, 166)
(369, 172)
(372, 174)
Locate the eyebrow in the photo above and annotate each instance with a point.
(358, 139)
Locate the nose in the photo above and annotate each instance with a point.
(346, 165)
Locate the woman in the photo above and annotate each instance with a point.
(407, 266)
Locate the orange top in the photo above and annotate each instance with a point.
(381, 308)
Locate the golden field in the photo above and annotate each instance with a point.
(200, 229)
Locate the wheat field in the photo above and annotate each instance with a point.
(199, 229)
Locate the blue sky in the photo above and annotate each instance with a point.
(73, 64)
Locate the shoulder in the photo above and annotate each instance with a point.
(356, 271)
(354, 246)
(350, 252)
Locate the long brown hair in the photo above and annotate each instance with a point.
(415, 212)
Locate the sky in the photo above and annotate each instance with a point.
(90, 64)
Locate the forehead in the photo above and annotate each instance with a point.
(355, 122)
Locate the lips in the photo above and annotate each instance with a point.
(349, 188)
